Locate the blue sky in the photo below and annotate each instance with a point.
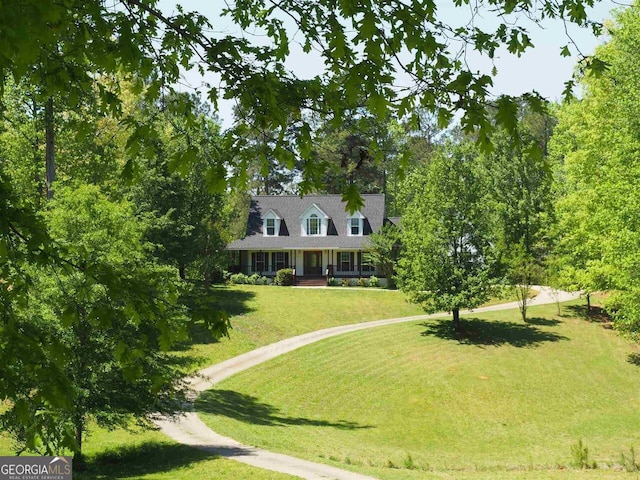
(542, 69)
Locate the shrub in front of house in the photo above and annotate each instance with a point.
(362, 282)
(374, 281)
(239, 279)
(284, 277)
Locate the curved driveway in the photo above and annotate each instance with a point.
(190, 430)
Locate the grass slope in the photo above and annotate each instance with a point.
(261, 315)
(413, 401)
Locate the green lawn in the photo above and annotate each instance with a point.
(152, 456)
(413, 401)
(261, 315)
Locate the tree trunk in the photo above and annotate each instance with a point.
(456, 319)
(37, 157)
(588, 302)
(50, 162)
(78, 458)
(182, 271)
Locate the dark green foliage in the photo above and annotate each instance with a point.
(520, 179)
(284, 277)
(104, 320)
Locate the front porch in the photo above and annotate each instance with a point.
(325, 263)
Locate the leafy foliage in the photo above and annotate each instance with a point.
(520, 180)
(596, 147)
(447, 253)
(284, 277)
(105, 320)
(384, 251)
(359, 44)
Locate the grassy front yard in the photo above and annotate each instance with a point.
(412, 401)
(262, 315)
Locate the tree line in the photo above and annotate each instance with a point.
(553, 202)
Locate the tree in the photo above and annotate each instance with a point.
(357, 152)
(520, 180)
(447, 253)
(384, 251)
(183, 213)
(360, 46)
(106, 320)
(259, 170)
(596, 146)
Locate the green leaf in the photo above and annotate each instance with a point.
(354, 201)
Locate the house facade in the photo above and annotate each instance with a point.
(313, 235)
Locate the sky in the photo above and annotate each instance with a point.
(542, 68)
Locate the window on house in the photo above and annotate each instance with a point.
(354, 225)
(313, 225)
(258, 261)
(280, 260)
(345, 263)
(271, 227)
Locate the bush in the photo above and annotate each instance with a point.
(332, 282)
(374, 281)
(345, 282)
(284, 277)
(362, 282)
(239, 279)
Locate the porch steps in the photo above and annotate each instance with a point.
(311, 281)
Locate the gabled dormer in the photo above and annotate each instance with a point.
(314, 222)
(271, 223)
(355, 224)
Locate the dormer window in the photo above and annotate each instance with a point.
(271, 227)
(355, 225)
(314, 222)
(313, 225)
(271, 224)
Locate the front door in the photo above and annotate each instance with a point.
(313, 263)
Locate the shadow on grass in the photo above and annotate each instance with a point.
(144, 459)
(248, 409)
(543, 322)
(481, 333)
(219, 299)
(595, 314)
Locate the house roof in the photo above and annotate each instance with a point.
(292, 207)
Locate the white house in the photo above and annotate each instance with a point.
(314, 235)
